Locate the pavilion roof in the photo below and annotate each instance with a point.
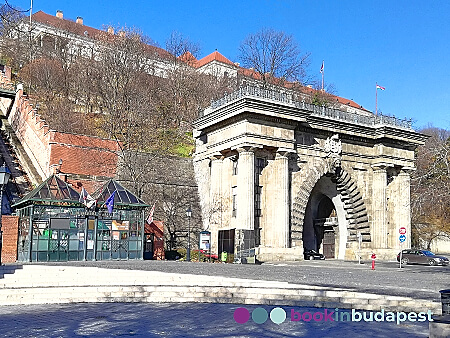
(52, 191)
(123, 196)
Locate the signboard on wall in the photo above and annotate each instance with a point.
(205, 240)
(120, 225)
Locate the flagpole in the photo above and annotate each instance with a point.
(323, 71)
(376, 99)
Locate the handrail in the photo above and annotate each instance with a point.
(288, 99)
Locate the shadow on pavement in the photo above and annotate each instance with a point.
(180, 320)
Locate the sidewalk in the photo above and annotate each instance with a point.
(179, 320)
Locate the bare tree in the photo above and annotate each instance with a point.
(177, 45)
(430, 186)
(275, 56)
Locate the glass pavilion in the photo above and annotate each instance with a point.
(55, 226)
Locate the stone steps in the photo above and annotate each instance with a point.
(40, 284)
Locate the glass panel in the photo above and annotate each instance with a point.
(42, 245)
(133, 245)
(73, 255)
(42, 256)
(63, 256)
(74, 245)
(123, 197)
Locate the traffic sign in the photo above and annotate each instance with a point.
(402, 238)
(402, 231)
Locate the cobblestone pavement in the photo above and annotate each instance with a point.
(180, 320)
(415, 281)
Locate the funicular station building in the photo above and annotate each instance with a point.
(55, 226)
(278, 176)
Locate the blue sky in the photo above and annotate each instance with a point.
(402, 45)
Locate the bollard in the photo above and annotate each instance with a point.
(373, 260)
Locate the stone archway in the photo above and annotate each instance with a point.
(344, 194)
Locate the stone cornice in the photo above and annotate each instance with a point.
(259, 107)
(280, 112)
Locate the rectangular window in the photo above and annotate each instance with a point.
(258, 191)
(234, 201)
(257, 236)
(260, 164)
(235, 167)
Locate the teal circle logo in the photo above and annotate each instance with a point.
(259, 315)
(278, 315)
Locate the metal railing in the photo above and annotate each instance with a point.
(289, 99)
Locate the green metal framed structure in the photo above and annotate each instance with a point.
(55, 226)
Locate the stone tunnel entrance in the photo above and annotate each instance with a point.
(325, 224)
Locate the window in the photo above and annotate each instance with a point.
(258, 191)
(257, 236)
(234, 201)
(235, 167)
(260, 164)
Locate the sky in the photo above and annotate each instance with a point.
(404, 46)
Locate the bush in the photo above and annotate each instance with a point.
(180, 254)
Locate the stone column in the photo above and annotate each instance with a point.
(246, 189)
(402, 212)
(379, 206)
(215, 199)
(281, 202)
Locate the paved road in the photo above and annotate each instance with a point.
(179, 320)
(413, 280)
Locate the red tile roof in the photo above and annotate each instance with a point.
(187, 57)
(215, 56)
(86, 31)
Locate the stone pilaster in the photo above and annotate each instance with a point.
(402, 211)
(246, 189)
(281, 202)
(379, 208)
(215, 200)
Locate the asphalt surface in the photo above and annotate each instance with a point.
(181, 320)
(415, 281)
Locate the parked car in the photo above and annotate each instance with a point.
(312, 254)
(414, 256)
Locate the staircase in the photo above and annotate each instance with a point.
(43, 284)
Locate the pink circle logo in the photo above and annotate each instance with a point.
(241, 315)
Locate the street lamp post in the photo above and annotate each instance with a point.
(4, 178)
(188, 253)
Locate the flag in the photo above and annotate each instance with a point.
(86, 199)
(323, 66)
(379, 87)
(150, 216)
(110, 202)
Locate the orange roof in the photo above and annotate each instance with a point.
(86, 31)
(338, 99)
(304, 89)
(188, 58)
(215, 56)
